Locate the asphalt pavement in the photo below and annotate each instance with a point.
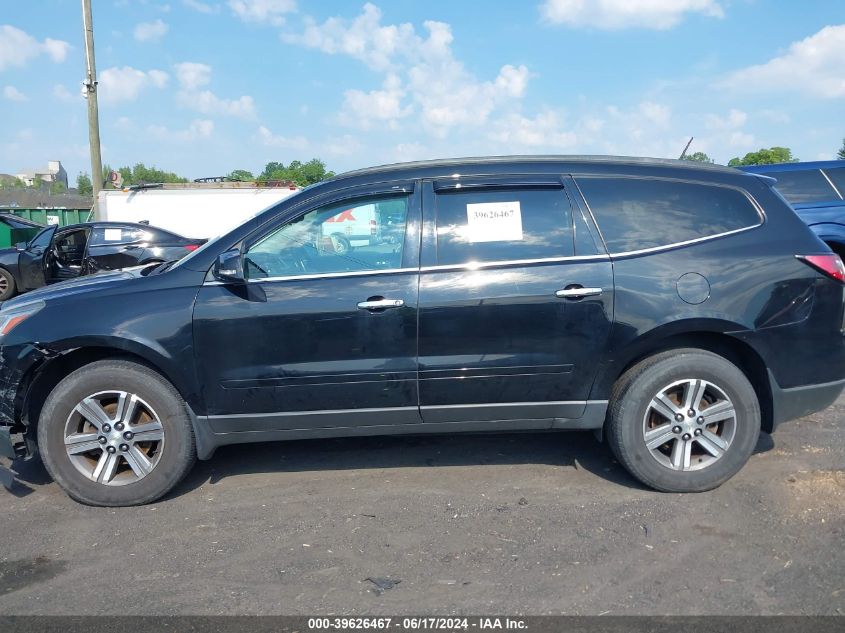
(510, 524)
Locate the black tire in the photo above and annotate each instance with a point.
(176, 458)
(10, 287)
(630, 402)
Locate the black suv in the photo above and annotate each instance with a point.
(675, 309)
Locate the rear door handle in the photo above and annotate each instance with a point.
(380, 304)
(578, 292)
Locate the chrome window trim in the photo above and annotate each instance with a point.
(759, 209)
(347, 273)
(469, 266)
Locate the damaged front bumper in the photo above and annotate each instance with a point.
(15, 443)
(11, 449)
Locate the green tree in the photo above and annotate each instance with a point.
(57, 187)
(84, 185)
(765, 157)
(242, 175)
(141, 174)
(841, 153)
(302, 174)
(699, 157)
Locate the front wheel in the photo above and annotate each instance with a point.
(7, 285)
(115, 433)
(686, 420)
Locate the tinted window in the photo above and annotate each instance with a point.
(837, 176)
(503, 224)
(118, 235)
(42, 240)
(367, 234)
(804, 186)
(635, 214)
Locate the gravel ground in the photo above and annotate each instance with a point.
(522, 523)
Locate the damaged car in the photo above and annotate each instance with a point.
(674, 309)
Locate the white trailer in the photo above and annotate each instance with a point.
(196, 210)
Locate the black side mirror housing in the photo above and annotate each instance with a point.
(229, 267)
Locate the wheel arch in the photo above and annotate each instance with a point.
(729, 347)
(41, 379)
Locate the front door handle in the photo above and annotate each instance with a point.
(578, 292)
(380, 304)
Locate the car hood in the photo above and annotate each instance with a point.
(89, 283)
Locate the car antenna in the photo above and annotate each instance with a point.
(684, 153)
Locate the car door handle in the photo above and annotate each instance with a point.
(380, 304)
(578, 292)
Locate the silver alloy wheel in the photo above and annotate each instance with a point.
(4, 284)
(689, 424)
(114, 438)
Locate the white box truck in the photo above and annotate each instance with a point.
(196, 210)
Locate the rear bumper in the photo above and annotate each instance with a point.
(796, 402)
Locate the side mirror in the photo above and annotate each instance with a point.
(229, 267)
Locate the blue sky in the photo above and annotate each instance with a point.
(202, 87)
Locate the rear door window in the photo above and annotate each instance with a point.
(800, 187)
(503, 224)
(641, 213)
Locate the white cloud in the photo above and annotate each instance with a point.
(192, 75)
(812, 66)
(544, 130)
(621, 14)
(202, 7)
(61, 93)
(266, 137)
(269, 11)
(734, 119)
(420, 73)
(345, 145)
(13, 94)
(377, 106)
(363, 38)
(127, 83)
(17, 47)
(198, 129)
(657, 113)
(150, 31)
(207, 102)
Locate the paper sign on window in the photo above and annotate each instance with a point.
(494, 222)
(112, 235)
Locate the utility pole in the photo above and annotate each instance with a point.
(90, 92)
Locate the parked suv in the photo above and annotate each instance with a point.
(675, 309)
(816, 190)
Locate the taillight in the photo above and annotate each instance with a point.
(191, 247)
(831, 265)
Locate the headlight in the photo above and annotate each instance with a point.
(11, 318)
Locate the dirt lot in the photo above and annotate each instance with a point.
(527, 524)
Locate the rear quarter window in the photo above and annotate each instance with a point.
(638, 213)
(801, 187)
(837, 177)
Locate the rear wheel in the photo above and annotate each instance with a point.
(7, 285)
(683, 421)
(115, 433)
